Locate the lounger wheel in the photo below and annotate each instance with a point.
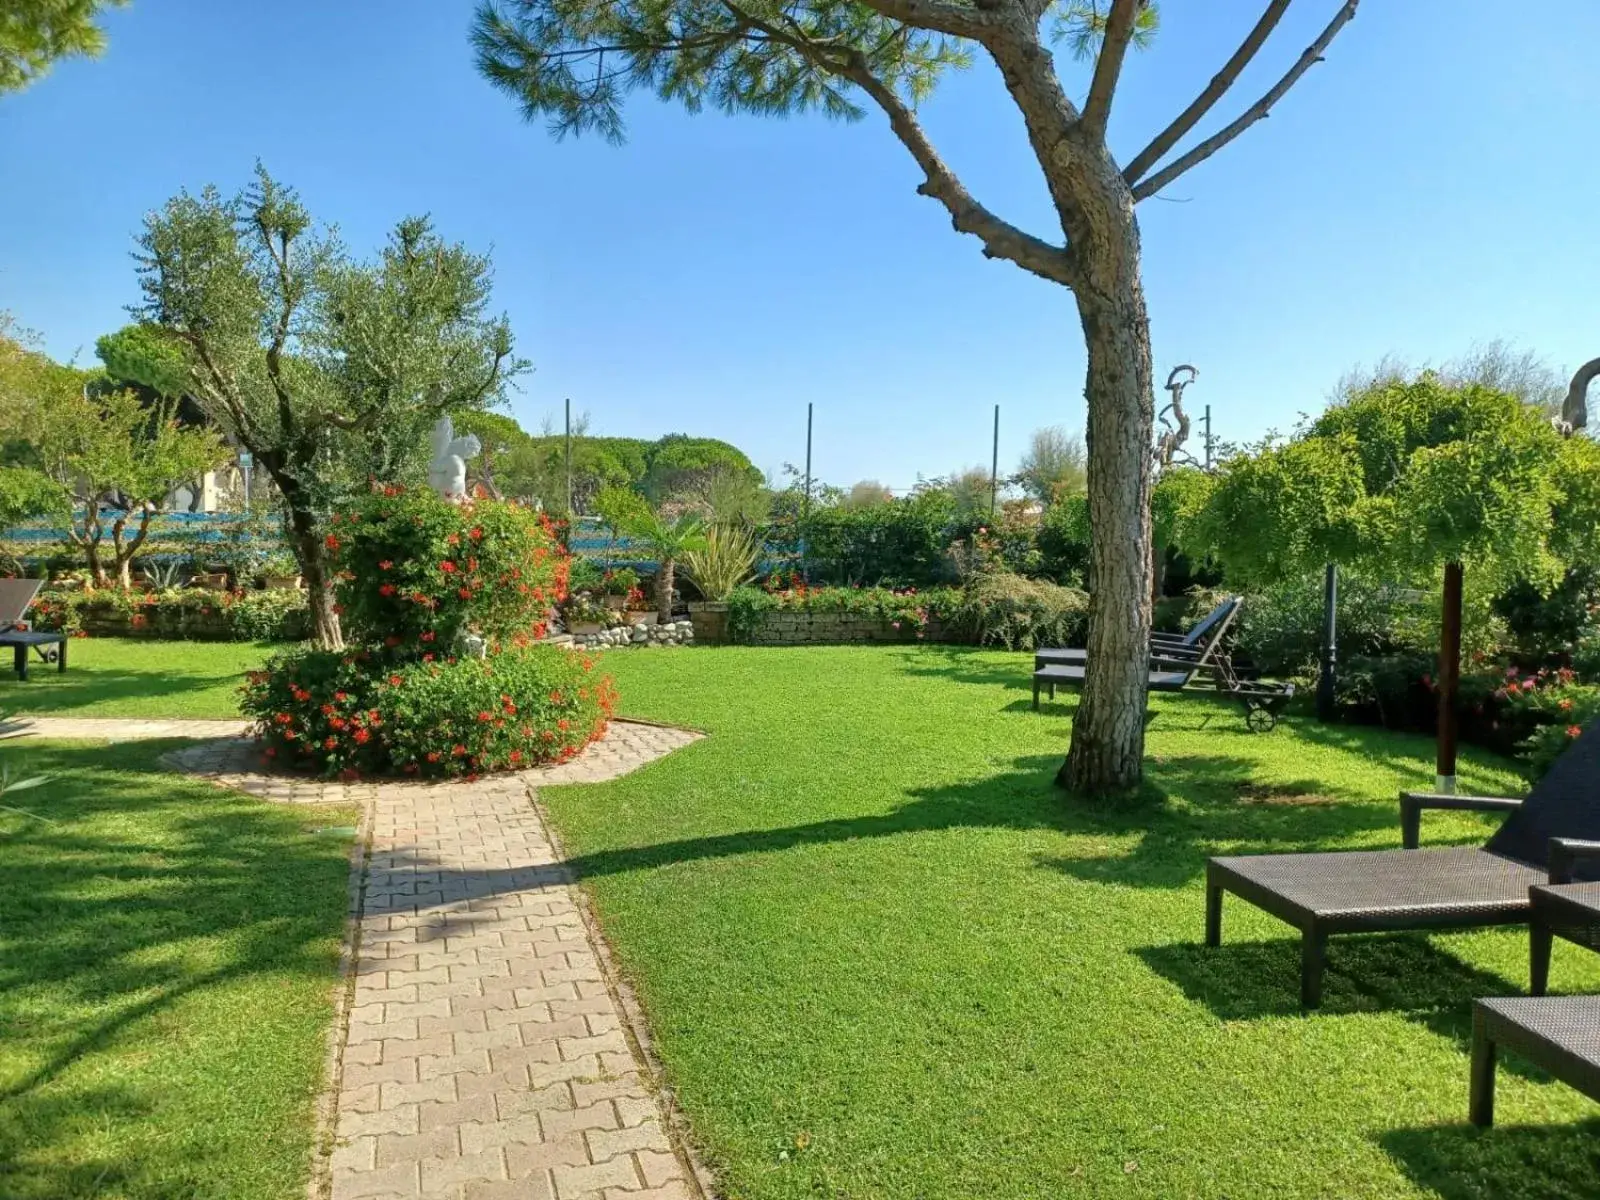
(1260, 720)
(49, 656)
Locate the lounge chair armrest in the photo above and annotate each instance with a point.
(1412, 804)
(1565, 854)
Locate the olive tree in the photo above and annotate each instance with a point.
(573, 61)
(328, 369)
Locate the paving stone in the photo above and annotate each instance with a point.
(484, 1054)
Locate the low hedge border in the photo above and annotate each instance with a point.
(194, 614)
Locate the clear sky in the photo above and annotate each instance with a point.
(1435, 183)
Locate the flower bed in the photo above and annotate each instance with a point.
(797, 615)
(355, 714)
(197, 614)
(423, 583)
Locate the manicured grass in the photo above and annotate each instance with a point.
(168, 952)
(119, 677)
(884, 957)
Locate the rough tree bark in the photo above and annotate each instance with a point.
(1107, 747)
(313, 558)
(666, 579)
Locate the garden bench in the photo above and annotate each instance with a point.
(1195, 644)
(1161, 680)
(1366, 891)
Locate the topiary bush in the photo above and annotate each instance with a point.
(352, 714)
(416, 571)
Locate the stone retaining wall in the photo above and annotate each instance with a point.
(674, 633)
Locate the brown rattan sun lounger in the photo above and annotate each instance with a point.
(1551, 836)
(1560, 1034)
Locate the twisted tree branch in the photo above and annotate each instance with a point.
(1256, 112)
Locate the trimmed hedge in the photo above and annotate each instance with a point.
(196, 614)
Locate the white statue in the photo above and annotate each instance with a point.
(447, 473)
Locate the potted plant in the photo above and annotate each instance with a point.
(618, 587)
(584, 615)
(280, 572)
(668, 541)
(725, 561)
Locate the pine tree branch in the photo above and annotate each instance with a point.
(941, 16)
(1256, 112)
(1206, 100)
(1000, 238)
(1108, 66)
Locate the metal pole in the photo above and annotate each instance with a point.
(569, 458)
(1449, 680)
(1208, 442)
(1327, 682)
(805, 500)
(994, 465)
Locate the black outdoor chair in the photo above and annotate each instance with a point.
(1551, 836)
(1180, 646)
(16, 595)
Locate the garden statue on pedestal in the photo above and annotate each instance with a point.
(447, 472)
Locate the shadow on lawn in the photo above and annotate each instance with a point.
(1392, 972)
(139, 889)
(49, 694)
(1535, 1162)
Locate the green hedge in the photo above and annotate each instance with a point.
(190, 613)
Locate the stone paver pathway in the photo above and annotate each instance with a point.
(117, 729)
(486, 1053)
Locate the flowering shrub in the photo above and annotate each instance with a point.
(358, 713)
(177, 613)
(417, 570)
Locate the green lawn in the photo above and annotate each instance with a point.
(883, 957)
(168, 952)
(119, 677)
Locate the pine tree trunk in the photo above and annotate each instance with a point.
(1107, 751)
(664, 585)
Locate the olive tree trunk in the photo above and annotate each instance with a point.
(665, 581)
(1107, 750)
(306, 538)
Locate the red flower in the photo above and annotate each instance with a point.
(361, 736)
(341, 697)
(458, 750)
(387, 589)
(486, 716)
(327, 709)
(427, 657)
(426, 635)
(411, 768)
(331, 542)
(337, 723)
(386, 564)
(454, 539)
(330, 743)
(563, 724)
(433, 756)
(1565, 705)
(1573, 731)
(448, 567)
(548, 735)
(516, 756)
(555, 698)
(476, 534)
(465, 593)
(374, 716)
(395, 681)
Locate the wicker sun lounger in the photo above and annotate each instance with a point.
(1551, 836)
(1560, 1034)
(16, 595)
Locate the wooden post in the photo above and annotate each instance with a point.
(1449, 679)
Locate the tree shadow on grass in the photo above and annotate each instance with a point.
(49, 694)
(1530, 1162)
(138, 889)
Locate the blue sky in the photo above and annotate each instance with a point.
(1432, 185)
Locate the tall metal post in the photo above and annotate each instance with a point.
(1327, 681)
(569, 458)
(994, 466)
(1449, 681)
(1208, 437)
(805, 500)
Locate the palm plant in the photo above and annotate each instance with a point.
(726, 560)
(668, 541)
